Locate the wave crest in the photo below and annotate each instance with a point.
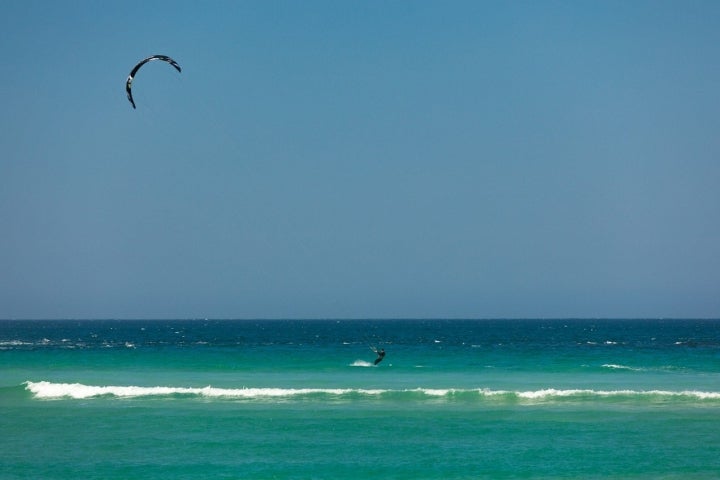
(50, 390)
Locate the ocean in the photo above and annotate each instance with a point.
(302, 399)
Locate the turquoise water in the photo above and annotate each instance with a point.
(540, 399)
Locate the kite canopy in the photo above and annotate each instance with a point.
(128, 83)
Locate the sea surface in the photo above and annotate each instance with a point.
(296, 399)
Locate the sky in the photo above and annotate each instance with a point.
(360, 159)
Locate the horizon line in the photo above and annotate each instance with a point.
(340, 319)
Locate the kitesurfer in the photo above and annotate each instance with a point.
(380, 355)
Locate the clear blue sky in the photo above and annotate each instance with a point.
(344, 159)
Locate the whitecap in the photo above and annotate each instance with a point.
(622, 367)
(50, 390)
(361, 363)
(435, 392)
(13, 343)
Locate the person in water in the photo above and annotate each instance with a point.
(380, 354)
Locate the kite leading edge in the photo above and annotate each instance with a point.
(128, 83)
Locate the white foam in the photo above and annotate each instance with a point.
(50, 390)
(435, 392)
(553, 393)
(700, 395)
(549, 392)
(361, 363)
(13, 343)
(80, 391)
(622, 367)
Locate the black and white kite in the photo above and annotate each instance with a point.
(128, 83)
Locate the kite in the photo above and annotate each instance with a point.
(131, 77)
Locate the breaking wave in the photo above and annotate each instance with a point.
(50, 390)
(613, 366)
